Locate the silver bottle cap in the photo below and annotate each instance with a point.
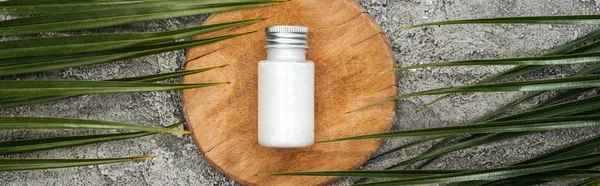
(286, 37)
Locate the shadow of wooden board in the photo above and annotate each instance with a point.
(349, 50)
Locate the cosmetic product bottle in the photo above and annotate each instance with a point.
(286, 90)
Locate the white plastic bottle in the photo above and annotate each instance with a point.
(286, 90)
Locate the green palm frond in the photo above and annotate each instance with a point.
(54, 7)
(42, 123)
(565, 174)
(586, 43)
(165, 76)
(571, 19)
(11, 102)
(569, 108)
(369, 173)
(592, 182)
(562, 167)
(574, 150)
(527, 125)
(86, 18)
(577, 149)
(498, 173)
(582, 44)
(592, 57)
(572, 108)
(98, 42)
(577, 107)
(33, 164)
(411, 144)
(549, 115)
(30, 89)
(12, 66)
(566, 83)
(32, 145)
(52, 53)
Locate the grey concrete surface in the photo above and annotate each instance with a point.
(179, 162)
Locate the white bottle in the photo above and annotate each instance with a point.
(286, 90)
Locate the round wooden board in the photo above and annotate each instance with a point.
(349, 50)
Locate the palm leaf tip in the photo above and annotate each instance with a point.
(339, 139)
(387, 71)
(371, 104)
(180, 132)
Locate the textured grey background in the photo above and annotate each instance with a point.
(179, 162)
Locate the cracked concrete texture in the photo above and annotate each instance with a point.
(179, 162)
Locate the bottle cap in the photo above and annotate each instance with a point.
(286, 37)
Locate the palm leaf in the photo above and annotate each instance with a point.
(562, 97)
(535, 179)
(42, 2)
(11, 102)
(411, 144)
(32, 164)
(550, 111)
(497, 173)
(165, 76)
(527, 125)
(536, 85)
(111, 17)
(572, 19)
(98, 42)
(592, 182)
(563, 109)
(570, 108)
(462, 145)
(369, 173)
(499, 137)
(564, 174)
(41, 123)
(543, 171)
(586, 54)
(580, 45)
(14, 66)
(576, 149)
(465, 143)
(32, 145)
(16, 89)
(524, 69)
(53, 7)
(592, 57)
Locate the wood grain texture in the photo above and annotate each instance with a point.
(349, 50)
